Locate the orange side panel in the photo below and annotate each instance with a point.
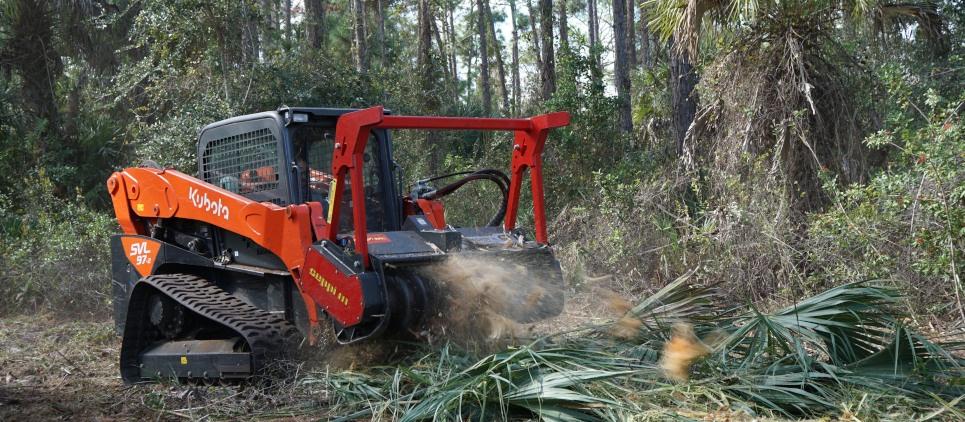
(146, 193)
(338, 294)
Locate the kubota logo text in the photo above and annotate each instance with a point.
(201, 201)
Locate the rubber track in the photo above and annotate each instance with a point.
(268, 335)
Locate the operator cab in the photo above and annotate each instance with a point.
(285, 157)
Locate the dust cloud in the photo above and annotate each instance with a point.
(484, 302)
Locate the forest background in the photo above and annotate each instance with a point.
(779, 148)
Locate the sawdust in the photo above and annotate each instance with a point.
(682, 350)
(482, 300)
(626, 327)
(615, 303)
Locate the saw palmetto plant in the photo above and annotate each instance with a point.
(803, 360)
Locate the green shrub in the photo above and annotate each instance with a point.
(55, 255)
(908, 221)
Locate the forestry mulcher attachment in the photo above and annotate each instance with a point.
(296, 220)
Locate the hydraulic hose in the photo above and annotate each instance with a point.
(492, 175)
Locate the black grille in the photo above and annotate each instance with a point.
(243, 163)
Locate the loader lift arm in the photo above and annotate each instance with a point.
(352, 133)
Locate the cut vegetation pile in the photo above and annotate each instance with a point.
(845, 350)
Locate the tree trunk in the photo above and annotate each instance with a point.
(483, 58)
(427, 82)
(441, 46)
(548, 70)
(315, 23)
(288, 21)
(249, 35)
(500, 66)
(381, 12)
(515, 63)
(534, 35)
(645, 56)
(268, 10)
(683, 98)
(631, 35)
(472, 54)
(361, 56)
(591, 23)
(269, 24)
(425, 40)
(593, 33)
(621, 67)
(452, 44)
(563, 28)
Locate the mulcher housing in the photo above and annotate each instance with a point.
(295, 218)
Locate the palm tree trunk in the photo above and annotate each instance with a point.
(548, 70)
(621, 67)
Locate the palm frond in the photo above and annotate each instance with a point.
(802, 360)
(846, 323)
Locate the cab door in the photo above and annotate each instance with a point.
(312, 146)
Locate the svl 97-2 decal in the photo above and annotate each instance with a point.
(141, 253)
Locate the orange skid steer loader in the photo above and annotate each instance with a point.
(296, 219)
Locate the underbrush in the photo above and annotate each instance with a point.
(842, 353)
(55, 255)
(740, 228)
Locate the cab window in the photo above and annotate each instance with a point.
(313, 147)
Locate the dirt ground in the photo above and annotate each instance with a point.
(53, 369)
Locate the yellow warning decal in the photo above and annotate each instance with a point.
(329, 287)
(140, 207)
(184, 360)
(332, 194)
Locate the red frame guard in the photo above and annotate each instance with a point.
(352, 133)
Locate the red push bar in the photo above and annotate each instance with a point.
(352, 133)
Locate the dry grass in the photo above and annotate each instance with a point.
(57, 370)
